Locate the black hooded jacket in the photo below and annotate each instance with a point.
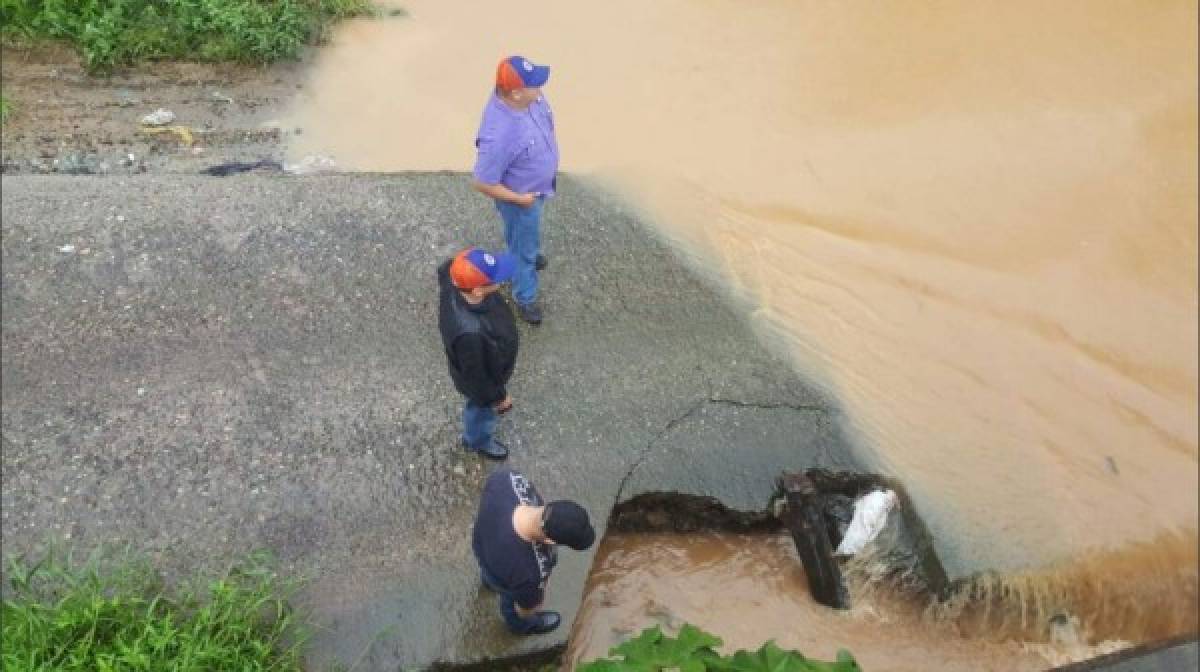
(480, 341)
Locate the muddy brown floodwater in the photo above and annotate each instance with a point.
(751, 588)
(974, 222)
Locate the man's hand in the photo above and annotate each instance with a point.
(503, 193)
(504, 405)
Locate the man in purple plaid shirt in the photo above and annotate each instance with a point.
(515, 166)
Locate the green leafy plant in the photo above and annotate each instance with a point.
(694, 650)
(111, 33)
(114, 613)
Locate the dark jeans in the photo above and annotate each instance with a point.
(479, 422)
(508, 606)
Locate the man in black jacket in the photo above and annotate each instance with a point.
(480, 338)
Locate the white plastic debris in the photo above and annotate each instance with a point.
(870, 516)
(310, 164)
(159, 117)
(1065, 631)
(67, 249)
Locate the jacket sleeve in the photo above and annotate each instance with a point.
(475, 377)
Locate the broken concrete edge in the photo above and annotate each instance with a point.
(684, 513)
(533, 661)
(1168, 655)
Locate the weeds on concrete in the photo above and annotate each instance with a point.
(112, 612)
(111, 33)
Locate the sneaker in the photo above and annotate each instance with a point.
(540, 263)
(546, 621)
(494, 449)
(530, 312)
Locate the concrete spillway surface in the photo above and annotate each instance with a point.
(203, 367)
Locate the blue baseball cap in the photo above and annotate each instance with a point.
(473, 268)
(516, 72)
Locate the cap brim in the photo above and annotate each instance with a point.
(583, 544)
(539, 76)
(506, 267)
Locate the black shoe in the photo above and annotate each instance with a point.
(494, 449)
(540, 263)
(547, 621)
(531, 313)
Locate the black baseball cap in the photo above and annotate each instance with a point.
(566, 523)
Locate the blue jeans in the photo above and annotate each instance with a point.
(523, 236)
(508, 606)
(479, 421)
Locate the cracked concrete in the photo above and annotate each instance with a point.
(750, 404)
(619, 495)
(825, 448)
(734, 451)
(204, 366)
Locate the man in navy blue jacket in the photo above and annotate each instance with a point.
(514, 539)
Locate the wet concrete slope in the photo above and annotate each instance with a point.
(203, 367)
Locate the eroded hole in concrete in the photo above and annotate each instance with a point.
(671, 558)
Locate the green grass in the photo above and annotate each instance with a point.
(114, 613)
(111, 33)
(5, 109)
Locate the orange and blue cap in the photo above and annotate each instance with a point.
(518, 72)
(473, 268)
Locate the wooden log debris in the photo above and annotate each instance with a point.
(803, 517)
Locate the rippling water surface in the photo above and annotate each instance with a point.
(750, 588)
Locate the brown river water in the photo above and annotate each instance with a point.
(749, 588)
(973, 223)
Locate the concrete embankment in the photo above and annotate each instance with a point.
(204, 366)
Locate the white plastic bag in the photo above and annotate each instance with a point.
(870, 515)
(159, 117)
(311, 165)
